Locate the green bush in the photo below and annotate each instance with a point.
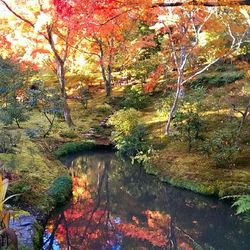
(104, 109)
(61, 189)
(133, 144)
(129, 135)
(74, 147)
(124, 121)
(221, 147)
(34, 132)
(216, 79)
(188, 118)
(134, 98)
(8, 139)
(68, 134)
(189, 125)
(13, 112)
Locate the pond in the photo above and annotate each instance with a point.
(116, 205)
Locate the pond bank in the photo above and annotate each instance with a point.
(196, 172)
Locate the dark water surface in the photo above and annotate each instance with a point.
(118, 206)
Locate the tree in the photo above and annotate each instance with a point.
(189, 34)
(11, 82)
(40, 23)
(49, 104)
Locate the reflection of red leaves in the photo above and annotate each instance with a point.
(155, 237)
(185, 246)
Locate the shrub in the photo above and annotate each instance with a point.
(34, 132)
(69, 134)
(74, 147)
(8, 139)
(216, 79)
(243, 205)
(134, 143)
(60, 189)
(14, 111)
(187, 120)
(124, 121)
(134, 98)
(189, 125)
(84, 94)
(129, 135)
(50, 104)
(20, 187)
(104, 109)
(222, 147)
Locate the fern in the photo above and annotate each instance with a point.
(243, 204)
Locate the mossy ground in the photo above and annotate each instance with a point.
(195, 171)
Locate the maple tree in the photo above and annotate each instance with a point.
(187, 32)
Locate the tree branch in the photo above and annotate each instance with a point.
(16, 14)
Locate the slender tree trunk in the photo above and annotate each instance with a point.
(174, 106)
(179, 86)
(61, 78)
(108, 82)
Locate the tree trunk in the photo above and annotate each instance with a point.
(108, 82)
(174, 106)
(61, 78)
(179, 88)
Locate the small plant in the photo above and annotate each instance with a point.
(4, 214)
(216, 79)
(187, 120)
(50, 104)
(13, 112)
(189, 125)
(84, 95)
(221, 147)
(34, 132)
(129, 135)
(74, 147)
(8, 139)
(134, 98)
(104, 109)
(69, 134)
(242, 204)
(60, 189)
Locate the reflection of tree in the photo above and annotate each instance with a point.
(97, 217)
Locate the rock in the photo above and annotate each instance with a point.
(25, 226)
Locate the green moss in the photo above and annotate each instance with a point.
(74, 147)
(61, 189)
(217, 79)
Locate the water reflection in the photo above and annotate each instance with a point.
(118, 206)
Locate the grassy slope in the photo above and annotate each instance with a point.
(194, 171)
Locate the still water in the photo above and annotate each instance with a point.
(118, 206)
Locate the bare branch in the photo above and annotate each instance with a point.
(16, 14)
